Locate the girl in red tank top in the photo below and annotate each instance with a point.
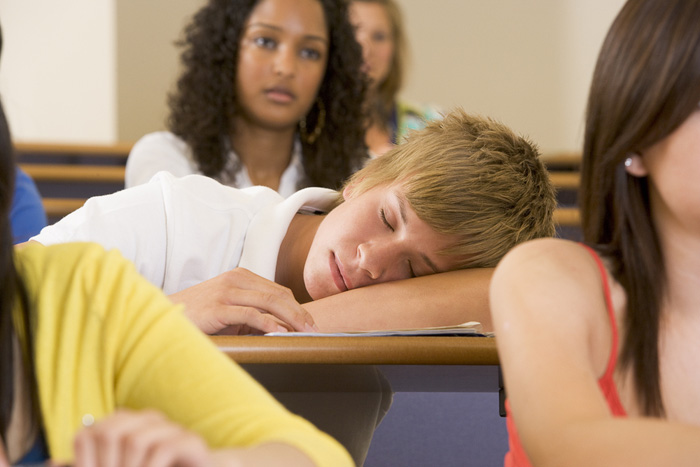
(569, 325)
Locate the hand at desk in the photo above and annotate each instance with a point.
(139, 438)
(241, 302)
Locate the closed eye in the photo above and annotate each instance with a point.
(411, 271)
(386, 222)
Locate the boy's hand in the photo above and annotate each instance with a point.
(139, 439)
(239, 300)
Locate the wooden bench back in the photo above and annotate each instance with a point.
(68, 174)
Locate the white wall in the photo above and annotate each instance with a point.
(526, 63)
(147, 61)
(586, 24)
(57, 73)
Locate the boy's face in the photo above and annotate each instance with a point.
(371, 238)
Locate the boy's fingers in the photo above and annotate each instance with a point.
(244, 279)
(287, 310)
(253, 318)
(216, 304)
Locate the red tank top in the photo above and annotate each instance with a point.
(516, 456)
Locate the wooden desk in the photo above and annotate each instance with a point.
(411, 364)
(338, 377)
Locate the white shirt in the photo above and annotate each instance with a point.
(163, 150)
(182, 231)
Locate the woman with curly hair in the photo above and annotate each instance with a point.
(379, 29)
(271, 94)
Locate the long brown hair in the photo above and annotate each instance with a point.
(13, 295)
(387, 91)
(646, 83)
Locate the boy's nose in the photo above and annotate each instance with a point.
(379, 261)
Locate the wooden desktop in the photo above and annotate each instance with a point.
(411, 364)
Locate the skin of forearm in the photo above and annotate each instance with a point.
(437, 300)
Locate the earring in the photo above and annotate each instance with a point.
(310, 138)
(628, 162)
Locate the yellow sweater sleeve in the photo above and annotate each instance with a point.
(106, 338)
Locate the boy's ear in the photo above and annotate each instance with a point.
(634, 165)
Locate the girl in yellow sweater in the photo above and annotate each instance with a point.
(100, 368)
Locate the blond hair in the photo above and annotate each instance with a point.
(473, 178)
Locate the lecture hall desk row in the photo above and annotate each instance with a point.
(69, 174)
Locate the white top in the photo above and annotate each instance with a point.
(163, 150)
(182, 231)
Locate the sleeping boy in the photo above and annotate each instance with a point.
(456, 196)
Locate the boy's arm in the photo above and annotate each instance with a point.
(438, 300)
(241, 302)
(443, 299)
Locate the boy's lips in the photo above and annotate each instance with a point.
(280, 94)
(337, 274)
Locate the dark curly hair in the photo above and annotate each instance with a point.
(204, 103)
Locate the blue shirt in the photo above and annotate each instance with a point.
(27, 215)
(38, 454)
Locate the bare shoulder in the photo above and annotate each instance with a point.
(552, 259)
(549, 252)
(549, 316)
(547, 283)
